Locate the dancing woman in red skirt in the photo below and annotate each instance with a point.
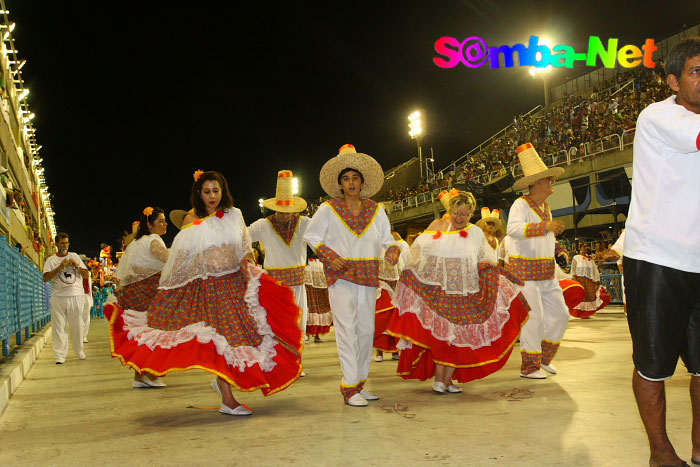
(215, 310)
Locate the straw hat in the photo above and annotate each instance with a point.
(488, 215)
(348, 158)
(177, 216)
(533, 167)
(445, 197)
(284, 201)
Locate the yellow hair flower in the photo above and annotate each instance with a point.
(197, 174)
(148, 211)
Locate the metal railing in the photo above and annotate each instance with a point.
(23, 297)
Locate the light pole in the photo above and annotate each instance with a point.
(416, 132)
(543, 73)
(262, 207)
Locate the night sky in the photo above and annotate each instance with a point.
(131, 98)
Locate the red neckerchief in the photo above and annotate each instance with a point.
(285, 230)
(358, 223)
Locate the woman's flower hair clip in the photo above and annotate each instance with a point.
(437, 235)
(148, 211)
(463, 233)
(197, 174)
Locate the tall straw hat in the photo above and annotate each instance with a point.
(348, 158)
(284, 201)
(533, 167)
(445, 197)
(488, 215)
(177, 216)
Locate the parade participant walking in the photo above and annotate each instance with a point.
(87, 287)
(457, 316)
(348, 233)
(661, 259)
(139, 274)
(490, 224)
(215, 310)
(584, 270)
(320, 318)
(388, 278)
(532, 248)
(282, 237)
(66, 272)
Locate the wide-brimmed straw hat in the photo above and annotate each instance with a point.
(348, 158)
(177, 216)
(284, 200)
(533, 167)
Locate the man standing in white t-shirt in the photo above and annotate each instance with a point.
(66, 271)
(661, 255)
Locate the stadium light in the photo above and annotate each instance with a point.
(295, 186)
(543, 73)
(416, 132)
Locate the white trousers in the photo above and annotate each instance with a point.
(353, 308)
(67, 312)
(86, 315)
(549, 315)
(300, 296)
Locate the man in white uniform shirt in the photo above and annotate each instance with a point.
(66, 272)
(532, 249)
(661, 255)
(282, 236)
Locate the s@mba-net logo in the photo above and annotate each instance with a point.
(474, 53)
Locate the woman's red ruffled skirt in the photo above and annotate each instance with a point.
(382, 318)
(425, 350)
(271, 363)
(594, 297)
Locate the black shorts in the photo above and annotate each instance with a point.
(663, 313)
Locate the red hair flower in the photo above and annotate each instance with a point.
(219, 213)
(463, 233)
(197, 221)
(437, 235)
(197, 174)
(148, 211)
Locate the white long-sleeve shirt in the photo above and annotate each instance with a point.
(335, 232)
(285, 248)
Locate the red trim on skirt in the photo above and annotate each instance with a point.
(419, 361)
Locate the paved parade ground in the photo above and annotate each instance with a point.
(86, 413)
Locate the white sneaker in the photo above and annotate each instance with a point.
(82, 356)
(357, 401)
(303, 373)
(239, 411)
(379, 358)
(539, 374)
(439, 387)
(139, 385)
(549, 368)
(368, 395)
(85, 341)
(454, 389)
(153, 382)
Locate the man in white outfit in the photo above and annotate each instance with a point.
(348, 234)
(66, 272)
(282, 237)
(532, 248)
